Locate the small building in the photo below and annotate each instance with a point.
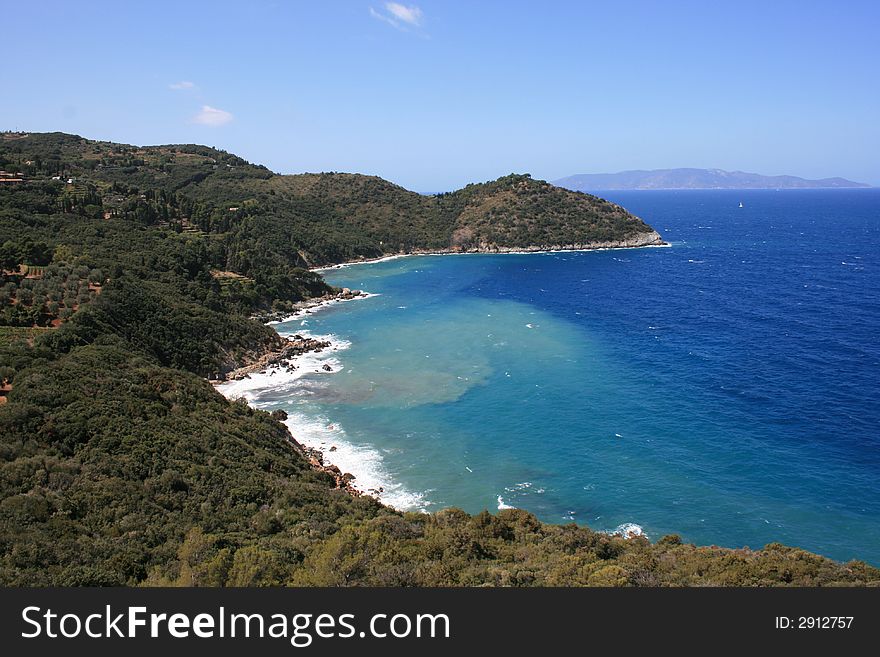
(9, 177)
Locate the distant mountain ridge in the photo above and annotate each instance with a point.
(696, 179)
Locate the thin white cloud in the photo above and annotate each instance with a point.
(400, 16)
(412, 14)
(213, 117)
(183, 84)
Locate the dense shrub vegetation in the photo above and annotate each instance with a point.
(132, 276)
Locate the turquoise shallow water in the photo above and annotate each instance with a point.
(724, 388)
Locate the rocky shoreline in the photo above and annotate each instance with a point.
(285, 350)
(315, 457)
(283, 358)
(640, 240)
(307, 306)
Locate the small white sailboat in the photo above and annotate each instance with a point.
(740, 204)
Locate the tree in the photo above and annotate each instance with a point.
(25, 296)
(10, 255)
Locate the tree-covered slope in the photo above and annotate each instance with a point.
(110, 461)
(518, 212)
(134, 274)
(323, 218)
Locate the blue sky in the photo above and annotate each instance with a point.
(435, 94)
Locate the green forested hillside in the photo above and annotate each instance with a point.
(308, 219)
(133, 275)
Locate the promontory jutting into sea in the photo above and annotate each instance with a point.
(718, 389)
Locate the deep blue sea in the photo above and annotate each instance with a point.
(724, 389)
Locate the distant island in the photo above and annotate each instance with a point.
(696, 179)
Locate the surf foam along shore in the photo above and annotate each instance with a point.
(278, 386)
(313, 305)
(365, 462)
(628, 530)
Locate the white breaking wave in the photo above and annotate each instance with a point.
(628, 530)
(524, 485)
(502, 505)
(311, 310)
(318, 432)
(280, 378)
(363, 461)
